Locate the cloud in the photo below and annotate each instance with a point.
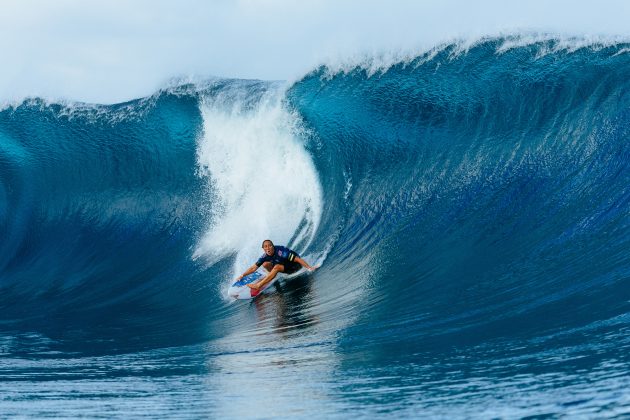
(108, 51)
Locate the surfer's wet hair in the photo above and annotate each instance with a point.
(266, 240)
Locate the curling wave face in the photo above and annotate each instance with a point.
(487, 186)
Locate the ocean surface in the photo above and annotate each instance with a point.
(469, 207)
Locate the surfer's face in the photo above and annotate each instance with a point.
(268, 248)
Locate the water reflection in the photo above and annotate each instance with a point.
(286, 311)
(285, 359)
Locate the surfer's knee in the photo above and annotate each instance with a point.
(267, 266)
(279, 268)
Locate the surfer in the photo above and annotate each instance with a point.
(276, 259)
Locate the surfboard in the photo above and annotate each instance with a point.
(239, 289)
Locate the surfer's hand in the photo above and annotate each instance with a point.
(313, 268)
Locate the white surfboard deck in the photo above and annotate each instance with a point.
(239, 289)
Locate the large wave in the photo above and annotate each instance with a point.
(487, 186)
(474, 192)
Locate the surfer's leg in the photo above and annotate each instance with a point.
(268, 266)
(278, 268)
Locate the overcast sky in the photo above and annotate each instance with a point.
(114, 50)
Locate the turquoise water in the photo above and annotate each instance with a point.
(469, 208)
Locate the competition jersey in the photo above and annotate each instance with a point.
(281, 255)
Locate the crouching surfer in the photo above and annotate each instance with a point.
(276, 259)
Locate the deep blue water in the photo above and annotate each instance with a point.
(470, 208)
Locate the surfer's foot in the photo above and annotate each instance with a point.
(253, 286)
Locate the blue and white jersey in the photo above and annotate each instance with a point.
(281, 255)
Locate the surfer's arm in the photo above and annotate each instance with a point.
(249, 271)
(305, 264)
